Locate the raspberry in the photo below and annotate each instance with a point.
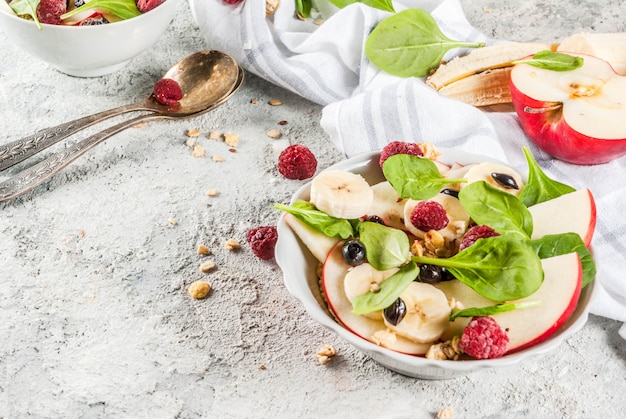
(262, 240)
(399, 147)
(297, 162)
(232, 1)
(50, 11)
(145, 6)
(475, 233)
(484, 338)
(167, 92)
(429, 215)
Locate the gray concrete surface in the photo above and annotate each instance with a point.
(95, 319)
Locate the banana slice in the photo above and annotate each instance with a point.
(364, 278)
(422, 313)
(458, 218)
(341, 194)
(498, 175)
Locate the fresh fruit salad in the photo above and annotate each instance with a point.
(450, 262)
(81, 12)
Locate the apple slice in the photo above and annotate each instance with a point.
(576, 116)
(573, 212)
(333, 275)
(558, 295)
(318, 244)
(387, 205)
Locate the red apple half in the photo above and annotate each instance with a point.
(577, 116)
(558, 296)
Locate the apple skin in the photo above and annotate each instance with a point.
(551, 133)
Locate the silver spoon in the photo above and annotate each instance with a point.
(207, 78)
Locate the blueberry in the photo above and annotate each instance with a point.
(94, 21)
(375, 219)
(431, 274)
(353, 252)
(77, 3)
(395, 312)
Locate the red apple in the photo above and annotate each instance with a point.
(576, 116)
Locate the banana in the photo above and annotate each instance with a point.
(490, 87)
(458, 219)
(483, 59)
(364, 278)
(498, 175)
(421, 315)
(610, 47)
(341, 194)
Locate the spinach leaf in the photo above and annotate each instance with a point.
(489, 310)
(410, 44)
(26, 7)
(499, 210)
(385, 247)
(540, 187)
(318, 220)
(498, 268)
(554, 61)
(303, 8)
(415, 177)
(390, 290)
(561, 244)
(377, 4)
(124, 9)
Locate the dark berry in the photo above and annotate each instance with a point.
(399, 147)
(95, 19)
(375, 219)
(297, 162)
(505, 180)
(484, 338)
(50, 11)
(475, 233)
(431, 274)
(353, 252)
(167, 92)
(78, 3)
(262, 241)
(451, 192)
(429, 215)
(145, 6)
(395, 312)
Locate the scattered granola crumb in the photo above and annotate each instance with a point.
(193, 132)
(232, 150)
(215, 135)
(254, 101)
(207, 266)
(218, 159)
(445, 413)
(274, 133)
(198, 151)
(172, 221)
(271, 6)
(212, 192)
(262, 367)
(199, 289)
(282, 122)
(275, 102)
(203, 250)
(141, 124)
(231, 139)
(325, 354)
(231, 244)
(190, 142)
(486, 10)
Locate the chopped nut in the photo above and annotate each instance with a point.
(445, 413)
(275, 102)
(417, 248)
(271, 6)
(212, 192)
(325, 354)
(172, 221)
(190, 142)
(207, 266)
(193, 132)
(199, 289)
(198, 151)
(262, 367)
(450, 349)
(232, 150)
(254, 101)
(203, 250)
(274, 133)
(231, 244)
(218, 159)
(231, 139)
(215, 135)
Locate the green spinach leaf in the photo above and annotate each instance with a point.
(554, 61)
(410, 44)
(377, 4)
(124, 9)
(385, 247)
(27, 8)
(390, 290)
(490, 310)
(318, 220)
(540, 187)
(498, 268)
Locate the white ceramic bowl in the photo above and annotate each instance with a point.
(299, 270)
(89, 51)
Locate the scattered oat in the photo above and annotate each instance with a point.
(190, 142)
(325, 354)
(318, 21)
(274, 133)
(254, 101)
(275, 102)
(262, 367)
(193, 132)
(212, 192)
(215, 135)
(203, 250)
(282, 122)
(207, 266)
(445, 413)
(486, 10)
(82, 233)
(172, 221)
(231, 139)
(198, 151)
(231, 244)
(199, 289)
(218, 159)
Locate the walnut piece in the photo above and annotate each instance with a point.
(231, 244)
(325, 354)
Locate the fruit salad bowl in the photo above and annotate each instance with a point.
(88, 51)
(301, 269)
